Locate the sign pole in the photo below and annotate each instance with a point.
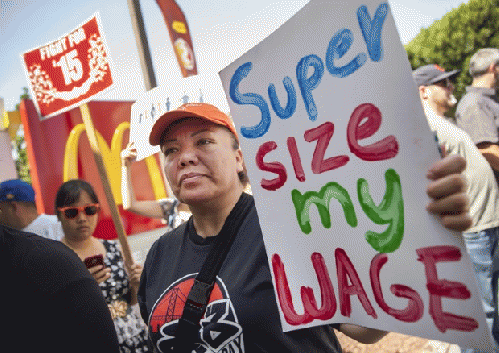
(89, 127)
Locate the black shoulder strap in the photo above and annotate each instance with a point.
(197, 300)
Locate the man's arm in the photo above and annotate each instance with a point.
(85, 323)
(362, 334)
(491, 153)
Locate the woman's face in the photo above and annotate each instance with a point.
(82, 226)
(201, 164)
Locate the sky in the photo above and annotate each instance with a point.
(222, 30)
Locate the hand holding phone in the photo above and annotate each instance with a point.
(95, 260)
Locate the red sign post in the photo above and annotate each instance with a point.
(69, 71)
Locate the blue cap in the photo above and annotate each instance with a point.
(16, 190)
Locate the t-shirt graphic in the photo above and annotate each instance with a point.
(220, 329)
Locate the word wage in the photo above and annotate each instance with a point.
(350, 284)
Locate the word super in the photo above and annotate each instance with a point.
(338, 46)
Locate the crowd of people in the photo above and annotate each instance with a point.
(206, 284)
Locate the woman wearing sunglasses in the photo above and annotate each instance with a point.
(77, 208)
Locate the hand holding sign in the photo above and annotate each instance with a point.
(336, 141)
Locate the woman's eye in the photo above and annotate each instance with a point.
(168, 151)
(203, 142)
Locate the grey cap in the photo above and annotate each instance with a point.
(429, 74)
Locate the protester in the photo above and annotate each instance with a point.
(478, 110)
(50, 301)
(436, 93)
(18, 211)
(169, 209)
(204, 166)
(77, 206)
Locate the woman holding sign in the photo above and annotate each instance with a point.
(206, 285)
(77, 206)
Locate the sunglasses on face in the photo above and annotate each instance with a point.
(446, 83)
(72, 211)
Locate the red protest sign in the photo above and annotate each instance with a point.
(69, 71)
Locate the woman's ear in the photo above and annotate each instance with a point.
(240, 161)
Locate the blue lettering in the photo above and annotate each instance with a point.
(249, 98)
(274, 100)
(371, 30)
(307, 84)
(338, 46)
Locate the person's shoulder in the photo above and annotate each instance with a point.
(45, 260)
(167, 241)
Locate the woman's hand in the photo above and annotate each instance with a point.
(447, 190)
(100, 273)
(128, 154)
(135, 273)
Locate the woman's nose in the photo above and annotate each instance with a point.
(187, 157)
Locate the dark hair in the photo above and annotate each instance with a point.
(69, 192)
(243, 175)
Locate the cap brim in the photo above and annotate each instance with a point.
(166, 120)
(445, 75)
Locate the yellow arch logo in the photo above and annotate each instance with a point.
(179, 27)
(112, 163)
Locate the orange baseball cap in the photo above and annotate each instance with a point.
(190, 110)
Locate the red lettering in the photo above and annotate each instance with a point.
(284, 295)
(328, 308)
(295, 158)
(344, 269)
(311, 311)
(273, 167)
(442, 288)
(415, 308)
(356, 130)
(323, 134)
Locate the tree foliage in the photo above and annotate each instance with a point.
(22, 163)
(451, 41)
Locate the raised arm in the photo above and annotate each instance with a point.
(149, 208)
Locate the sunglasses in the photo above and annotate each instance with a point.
(446, 83)
(72, 211)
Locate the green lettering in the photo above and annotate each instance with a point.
(390, 211)
(321, 199)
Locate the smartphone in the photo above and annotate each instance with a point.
(95, 260)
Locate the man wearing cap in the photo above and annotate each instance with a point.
(435, 91)
(18, 211)
(478, 111)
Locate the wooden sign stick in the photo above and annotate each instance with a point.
(89, 127)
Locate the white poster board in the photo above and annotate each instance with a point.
(337, 149)
(153, 104)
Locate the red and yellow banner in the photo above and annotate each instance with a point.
(180, 36)
(57, 152)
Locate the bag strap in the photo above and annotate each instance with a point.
(197, 300)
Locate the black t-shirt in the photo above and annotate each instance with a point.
(50, 302)
(242, 314)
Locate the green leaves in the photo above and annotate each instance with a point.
(451, 41)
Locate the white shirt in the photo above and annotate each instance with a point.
(47, 226)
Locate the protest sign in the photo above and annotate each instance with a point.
(69, 71)
(151, 105)
(337, 149)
